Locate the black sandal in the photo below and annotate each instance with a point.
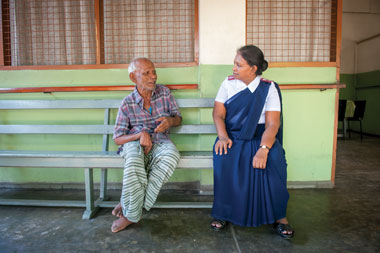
(281, 228)
(222, 223)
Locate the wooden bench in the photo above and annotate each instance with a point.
(102, 159)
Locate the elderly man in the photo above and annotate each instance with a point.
(141, 129)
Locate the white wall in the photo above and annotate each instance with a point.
(368, 55)
(348, 57)
(222, 30)
(361, 20)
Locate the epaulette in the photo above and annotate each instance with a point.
(231, 77)
(266, 80)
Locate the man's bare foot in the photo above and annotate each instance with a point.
(120, 224)
(117, 211)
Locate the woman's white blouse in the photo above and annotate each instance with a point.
(231, 87)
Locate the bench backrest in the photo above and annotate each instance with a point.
(105, 129)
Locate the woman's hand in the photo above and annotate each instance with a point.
(260, 158)
(222, 144)
(272, 124)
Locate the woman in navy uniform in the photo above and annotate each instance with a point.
(249, 161)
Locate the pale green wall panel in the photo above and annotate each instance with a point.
(301, 75)
(33, 78)
(308, 119)
(211, 76)
(42, 175)
(308, 133)
(185, 175)
(207, 177)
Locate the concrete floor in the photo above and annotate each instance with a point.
(343, 219)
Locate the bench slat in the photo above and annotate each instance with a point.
(94, 129)
(84, 154)
(80, 159)
(93, 104)
(49, 203)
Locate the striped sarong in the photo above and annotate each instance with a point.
(144, 175)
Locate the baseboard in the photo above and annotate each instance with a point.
(310, 184)
(366, 134)
(207, 189)
(188, 186)
(195, 186)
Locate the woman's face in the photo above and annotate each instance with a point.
(242, 70)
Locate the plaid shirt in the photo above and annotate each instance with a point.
(133, 118)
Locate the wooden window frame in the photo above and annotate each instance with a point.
(99, 42)
(338, 37)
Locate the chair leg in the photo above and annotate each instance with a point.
(361, 132)
(344, 130)
(349, 129)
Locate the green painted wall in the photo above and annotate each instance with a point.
(349, 80)
(308, 119)
(368, 88)
(364, 86)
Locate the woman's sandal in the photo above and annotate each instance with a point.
(222, 223)
(281, 228)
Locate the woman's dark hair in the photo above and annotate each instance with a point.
(254, 56)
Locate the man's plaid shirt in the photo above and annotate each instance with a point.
(132, 118)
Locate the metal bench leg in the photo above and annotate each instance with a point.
(103, 185)
(91, 209)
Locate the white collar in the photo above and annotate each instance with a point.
(253, 85)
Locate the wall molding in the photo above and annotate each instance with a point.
(132, 87)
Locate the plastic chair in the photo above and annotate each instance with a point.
(358, 116)
(341, 113)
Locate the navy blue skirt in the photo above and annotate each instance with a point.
(246, 196)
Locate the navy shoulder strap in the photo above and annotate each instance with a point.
(258, 102)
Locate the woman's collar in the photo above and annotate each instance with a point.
(253, 85)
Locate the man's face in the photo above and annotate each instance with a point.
(144, 76)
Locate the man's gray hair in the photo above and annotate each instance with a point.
(132, 64)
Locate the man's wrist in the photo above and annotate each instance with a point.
(144, 131)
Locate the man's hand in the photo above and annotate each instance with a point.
(146, 142)
(260, 158)
(166, 123)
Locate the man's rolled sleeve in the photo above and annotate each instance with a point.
(174, 109)
(122, 123)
